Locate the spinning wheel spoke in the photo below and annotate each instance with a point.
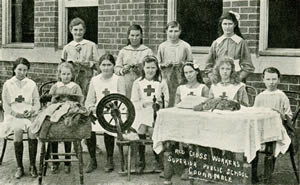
(115, 105)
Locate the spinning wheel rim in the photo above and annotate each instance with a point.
(104, 103)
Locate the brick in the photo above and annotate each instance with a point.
(249, 10)
(294, 88)
(254, 30)
(249, 23)
(226, 3)
(239, 3)
(254, 16)
(251, 36)
(255, 3)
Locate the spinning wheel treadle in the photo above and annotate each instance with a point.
(115, 108)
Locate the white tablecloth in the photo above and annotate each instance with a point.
(240, 131)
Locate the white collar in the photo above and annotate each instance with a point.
(237, 39)
(74, 43)
(277, 91)
(69, 85)
(24, 80)
(140, 48)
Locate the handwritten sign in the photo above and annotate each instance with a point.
(211, 165)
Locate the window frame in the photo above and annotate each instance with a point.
(7, 26)
(63, 6)
(263, 36)
(172, 11)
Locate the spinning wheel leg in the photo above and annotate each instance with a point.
(122, 157)
(3, 150)
(129, 163)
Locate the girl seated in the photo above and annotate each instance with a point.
(66, 96)
(192, 83)
(20, 103)
(273, 98)
(150, 84)
(101, 85)
(226, 82)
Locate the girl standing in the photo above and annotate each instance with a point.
(171, 55)
(144, 88)
(21, 103)
(227, 82)
(192, 83)
(101, 85)
(129, 61)
(232, 44)
(82, 52)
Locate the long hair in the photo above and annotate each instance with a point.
(134, 27)
(229, 16)
(198, 77)
(149, 59)
(68, 65)
(234, 76)
(20, 60)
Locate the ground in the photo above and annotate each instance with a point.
(283, 172)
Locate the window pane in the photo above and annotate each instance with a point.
(22, 16)
(284, 24)
(90, 17)
(199, 20)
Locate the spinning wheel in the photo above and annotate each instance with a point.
(115, 113)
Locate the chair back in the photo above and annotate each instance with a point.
(44, 92)
(252, 93)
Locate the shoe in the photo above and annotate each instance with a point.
(33, 171)
(67, 169)
(54, 169)
(158, 167)
(109, 166)
(141, 167)
(168, 182)
(162, 174)
(19, 173)
(91, 166)
(185, 175)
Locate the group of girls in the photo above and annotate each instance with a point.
(136, 73)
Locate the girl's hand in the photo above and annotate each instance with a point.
(126, 69)
(20, 116)
(27, 113)
(282, 116)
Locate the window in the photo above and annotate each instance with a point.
(198, 18)
(18, 21)
(86, 10)
(285, 22)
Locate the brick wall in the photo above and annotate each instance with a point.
(249, 20)
(115, 16)
(45, 23)
(39, 72)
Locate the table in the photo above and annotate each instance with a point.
(240, 131)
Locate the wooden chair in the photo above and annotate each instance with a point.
(56, 136)
(252, 93)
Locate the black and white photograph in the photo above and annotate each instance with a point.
(149, 92)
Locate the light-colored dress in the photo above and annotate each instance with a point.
(234, 47)
(275, 100)
(235, 92)
(61, 104)
(131, 56)
(18, 96)
(85, 53)
(142, 98)
(185, 91)
(176, 54)
(100, 87)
